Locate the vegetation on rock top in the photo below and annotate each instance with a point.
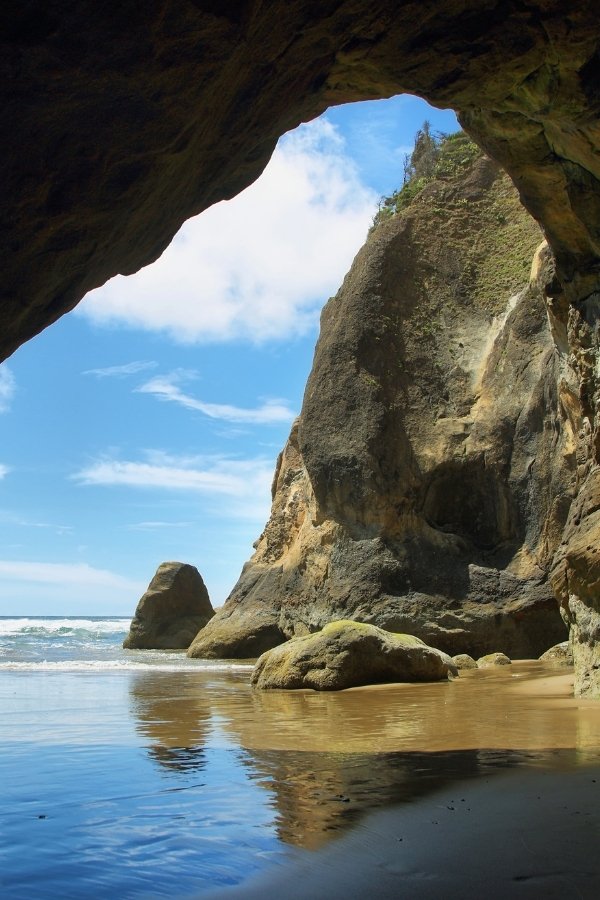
(434, 156)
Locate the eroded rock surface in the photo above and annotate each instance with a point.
(348, 654)
(119, 121)
(172, 611)
(576, 579)
(427, 483)
(561, 654)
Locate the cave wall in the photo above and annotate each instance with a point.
(120, 119)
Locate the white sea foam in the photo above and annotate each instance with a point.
(41, 626)
(127, 665)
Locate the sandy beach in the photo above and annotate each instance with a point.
(528, 832)
(142, 775)
(522, 834)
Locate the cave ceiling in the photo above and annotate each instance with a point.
(120, 120)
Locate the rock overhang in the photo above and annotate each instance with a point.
(121, 122)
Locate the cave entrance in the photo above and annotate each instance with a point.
(145, 426)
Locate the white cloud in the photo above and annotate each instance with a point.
(59, 529)
(165, 387)
(80, 574)
(132, 368)
(8, 517)
(232, 488)
(7, 387)
(4, 470)
(42, 588)
(261, 265)
(158, 526)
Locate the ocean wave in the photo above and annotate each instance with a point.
(40, 627)
(116, 665)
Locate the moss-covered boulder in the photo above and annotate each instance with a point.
(464, 661)
(561, 654)
(493, 659)
(347, 654)
(172, 611)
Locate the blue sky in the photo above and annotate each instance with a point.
(145, 425)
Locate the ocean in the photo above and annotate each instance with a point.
(143, 774)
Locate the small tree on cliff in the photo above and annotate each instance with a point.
(422, 161)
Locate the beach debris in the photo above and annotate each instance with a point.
(172, 611)
(348, 654)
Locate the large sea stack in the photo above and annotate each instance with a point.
(427, 482)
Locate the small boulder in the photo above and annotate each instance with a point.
(464, 661)
(493, 659)
(172, 611)
(347, 654)
(560, 655)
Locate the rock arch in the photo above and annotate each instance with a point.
(120, 120)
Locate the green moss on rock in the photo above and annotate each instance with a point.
(347, 654)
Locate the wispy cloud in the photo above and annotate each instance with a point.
(158, 526)
(166, 387)
(123, 371)
(8, 517)
(7, 387)
(80, 574)
(43, 588)
(261, 265)
(51, 526)
(233, 488)
(232, 477)
(4, 470)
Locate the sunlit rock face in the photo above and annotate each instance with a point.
(427, 483)
(172, 610)
(119, 121)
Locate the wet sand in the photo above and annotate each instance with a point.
(186, 784)
(530, 832)
(525, 706)
(526, 834)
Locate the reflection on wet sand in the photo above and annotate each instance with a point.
(327, 759)
(172, 718)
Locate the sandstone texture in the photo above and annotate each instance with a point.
(426, 485)
(172, 611)
(561, 654)
(348, 654)
(493, 659)
(576, 579)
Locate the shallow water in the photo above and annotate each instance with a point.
(144, 781)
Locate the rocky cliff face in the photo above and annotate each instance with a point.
(427, 483)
